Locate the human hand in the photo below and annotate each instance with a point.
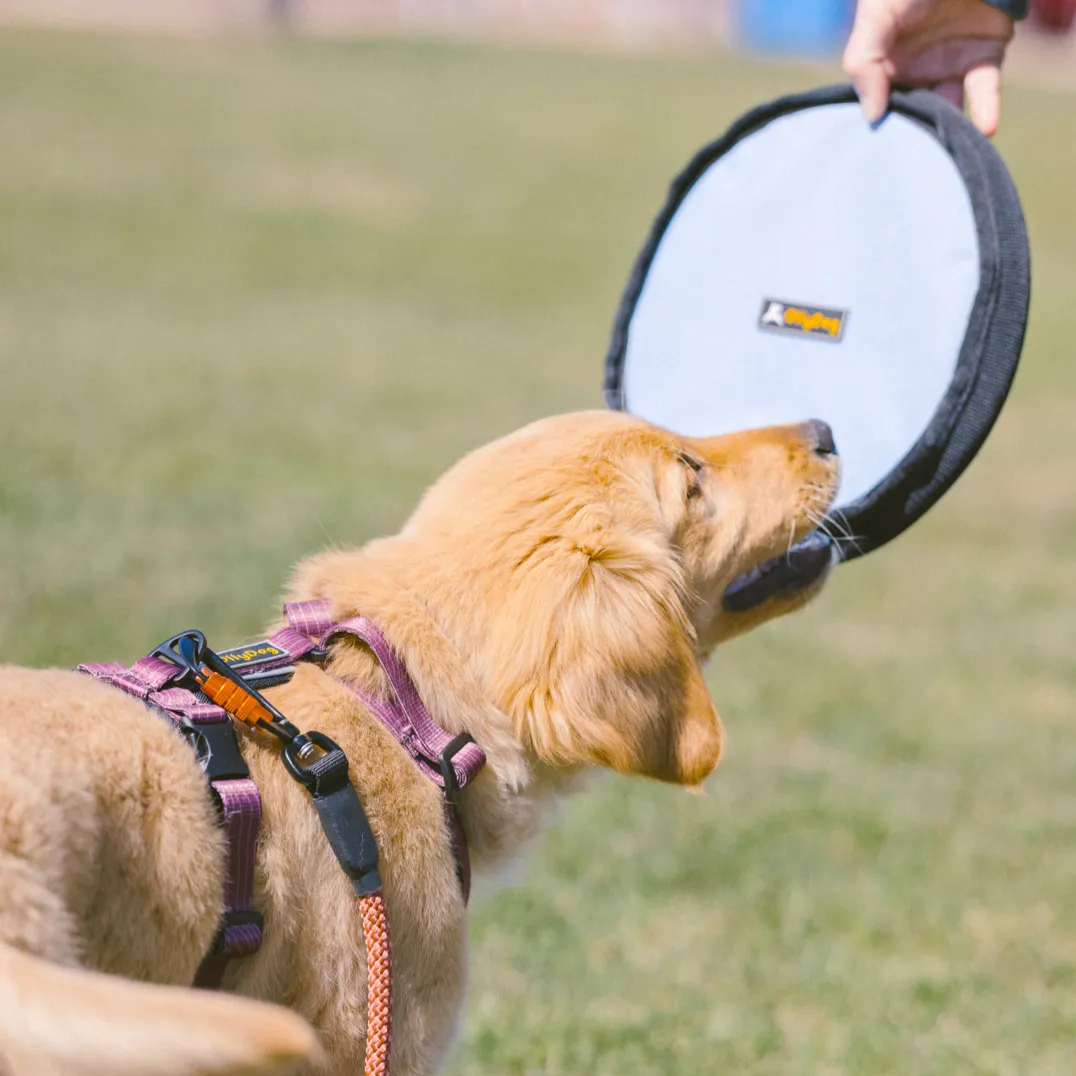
(952, 46)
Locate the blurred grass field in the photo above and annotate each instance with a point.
(255, 295)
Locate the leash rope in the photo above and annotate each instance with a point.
(375, 933)
(341, 814)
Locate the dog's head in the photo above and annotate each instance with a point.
(585, 564)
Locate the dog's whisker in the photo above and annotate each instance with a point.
(841, 525)
(832, 524)
(834, 527)
(844, 537)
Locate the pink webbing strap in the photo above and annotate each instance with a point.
(240, 804)
(241, 930)
(406, 717)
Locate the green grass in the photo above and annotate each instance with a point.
(254, 296)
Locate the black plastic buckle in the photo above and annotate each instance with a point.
(216, 747)
(448, 771)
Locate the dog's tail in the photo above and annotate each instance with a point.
(57, 1021)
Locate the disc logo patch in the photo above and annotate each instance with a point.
(819, 322)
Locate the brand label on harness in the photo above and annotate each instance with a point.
(242, 657)
(817, 321)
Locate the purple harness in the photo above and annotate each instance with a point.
(450, 762)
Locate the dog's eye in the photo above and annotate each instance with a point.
(694, 490)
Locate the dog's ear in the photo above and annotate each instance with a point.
(623, 687)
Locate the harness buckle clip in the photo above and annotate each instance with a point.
(448, 771)
(185, 651)
(201, 669)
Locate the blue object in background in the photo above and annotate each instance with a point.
(814, 27)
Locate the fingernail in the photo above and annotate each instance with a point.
(875, 113)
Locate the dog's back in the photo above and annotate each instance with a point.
(111, 860)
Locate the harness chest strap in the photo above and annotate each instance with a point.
(451, 762)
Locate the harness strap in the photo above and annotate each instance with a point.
(451, 762)
(406, 717)
(461, 853)
(213, 736)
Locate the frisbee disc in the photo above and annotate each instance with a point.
(809, 265)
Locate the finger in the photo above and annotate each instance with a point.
(983, 88)
(872, 84)
(952, 91)
(864, 61)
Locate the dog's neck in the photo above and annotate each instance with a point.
(511, 800)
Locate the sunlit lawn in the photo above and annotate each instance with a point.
(254, 296)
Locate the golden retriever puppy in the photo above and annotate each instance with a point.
(553, 594)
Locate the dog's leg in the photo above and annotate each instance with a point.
(58, 1021)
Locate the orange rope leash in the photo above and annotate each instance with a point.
(375, 930)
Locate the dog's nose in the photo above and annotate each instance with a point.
(824, 444)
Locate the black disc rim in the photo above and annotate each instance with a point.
(991, 348)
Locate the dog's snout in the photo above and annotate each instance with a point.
(824, 444)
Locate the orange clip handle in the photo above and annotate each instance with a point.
(231, 698)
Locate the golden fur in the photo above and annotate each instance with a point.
(553, 594)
